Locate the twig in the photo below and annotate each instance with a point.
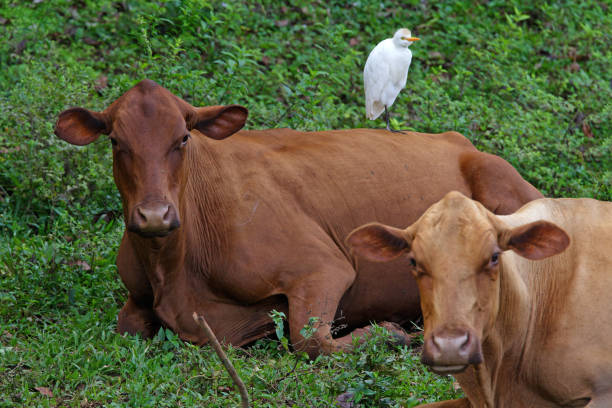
(297, 360)
(244, 396)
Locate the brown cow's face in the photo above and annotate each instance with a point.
(455, 250)
(149, 130)
(149, 140)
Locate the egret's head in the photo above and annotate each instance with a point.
(403, 38)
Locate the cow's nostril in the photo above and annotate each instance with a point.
(141, 214)
(166, 216)
(466, 343)
(434, 341)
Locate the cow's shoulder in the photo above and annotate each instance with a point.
(455, 138)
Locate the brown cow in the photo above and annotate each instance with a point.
(515, 329)
(234, 228)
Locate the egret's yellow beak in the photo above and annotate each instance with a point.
(411, 38)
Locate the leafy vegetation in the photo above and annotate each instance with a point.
(525, 80)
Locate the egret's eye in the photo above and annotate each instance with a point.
(185, 139)
(494, 259)
(113, 141)
(413, 262)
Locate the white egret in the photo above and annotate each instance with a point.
(385, 73)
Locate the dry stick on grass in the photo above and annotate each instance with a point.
(244, 396)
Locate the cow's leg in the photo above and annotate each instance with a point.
(135, 319)
(399, 336)
(317, 294)
(321, 304)
(137, 315)
(231, 323)
(344, 343)
(458, 403)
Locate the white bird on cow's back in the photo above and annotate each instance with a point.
(385, 73)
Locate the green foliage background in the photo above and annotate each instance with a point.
(529, 81)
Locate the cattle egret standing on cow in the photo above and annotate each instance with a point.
(385, 73)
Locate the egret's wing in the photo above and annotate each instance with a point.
(406, 67)
(376, 74)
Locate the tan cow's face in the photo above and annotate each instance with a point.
(149, 130)
(455, 250)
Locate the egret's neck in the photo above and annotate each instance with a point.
(399, 43)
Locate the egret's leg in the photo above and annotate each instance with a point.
(387, 119)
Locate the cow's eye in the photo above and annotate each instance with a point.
(494, 259)
(113, 141)
(185, 139)
(413, 262)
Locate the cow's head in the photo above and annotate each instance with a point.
(455, 250)
(149, 130)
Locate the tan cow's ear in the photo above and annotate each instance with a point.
(378, 242)
(218, 122)
(80, 126)
(536, 240)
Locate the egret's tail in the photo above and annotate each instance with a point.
(374, 109)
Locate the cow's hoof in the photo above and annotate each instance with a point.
(398, 336)
(134, 320)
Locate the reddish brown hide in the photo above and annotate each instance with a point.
(517, 307)
(234, 228)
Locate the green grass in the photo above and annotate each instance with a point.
(528, 82)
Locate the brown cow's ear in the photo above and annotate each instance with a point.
(536, 240)
(378, 242)
(81, 126)
(218, 122)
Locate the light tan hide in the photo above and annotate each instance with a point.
(519, 307)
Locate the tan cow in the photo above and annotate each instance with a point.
(514, 328)
(237, 227)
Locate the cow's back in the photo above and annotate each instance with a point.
(347, 177)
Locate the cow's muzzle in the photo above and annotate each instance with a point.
(451, 351)
(154, 219)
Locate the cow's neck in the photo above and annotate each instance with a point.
(515, 315)
(160, 257)
(200, 244)
(507, 340)
(525, 319)
(205, 208)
